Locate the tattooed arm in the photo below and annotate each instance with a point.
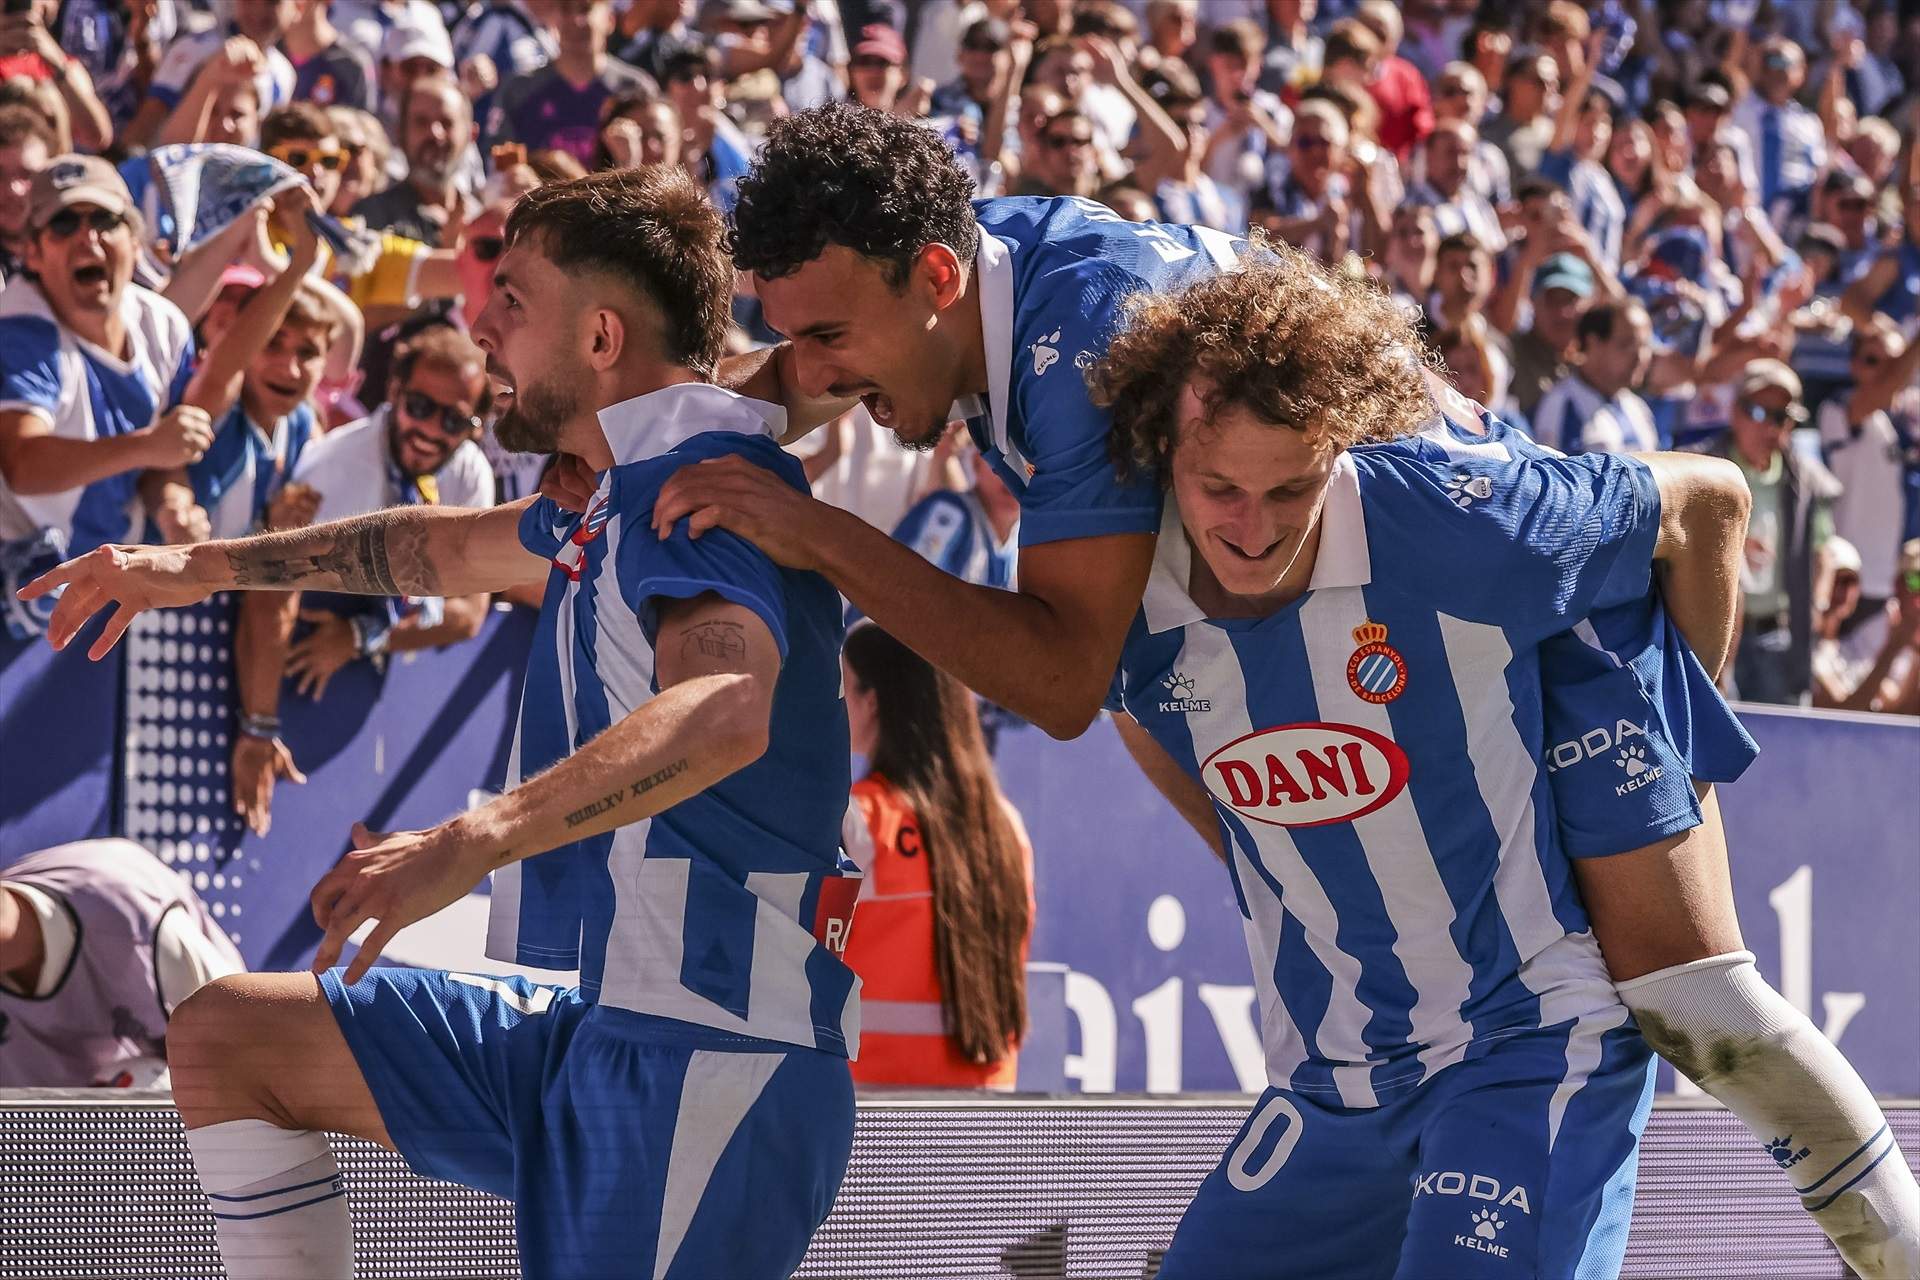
(716, 663)
(417, 550)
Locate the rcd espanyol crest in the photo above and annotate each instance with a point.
(1376, 672)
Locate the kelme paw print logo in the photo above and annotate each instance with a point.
(1465, 489)
(1044, 354)
(1633, 760)
(1781, 1149)
(1486, 1223)
(1177, 685)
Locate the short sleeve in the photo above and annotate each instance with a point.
(30, 366)
(1072, 491)
(1532, 543)
(177, 65)
(543, 527)
(390, 281)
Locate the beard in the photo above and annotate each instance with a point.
(537, 415)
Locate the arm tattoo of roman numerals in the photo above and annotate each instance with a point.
(383, 554)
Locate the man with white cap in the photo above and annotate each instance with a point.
(91, 369)
(1868, 655)
(1791, 518)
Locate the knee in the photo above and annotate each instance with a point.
(204, 1037)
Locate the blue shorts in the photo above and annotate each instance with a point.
(1631, 721)
(1517, 1162)
(630, 1146)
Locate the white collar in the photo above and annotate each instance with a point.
(57, 936)
(1341, 560)
(993, 277)
(648, 425)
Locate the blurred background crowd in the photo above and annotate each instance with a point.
(1626, 224)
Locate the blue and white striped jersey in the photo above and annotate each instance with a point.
(951, 529)
(1376, 752)
(86, 393)
(1052, 275)
(729, 910)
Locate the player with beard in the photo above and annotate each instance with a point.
(671, 825)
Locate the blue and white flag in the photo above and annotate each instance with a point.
(192, 191)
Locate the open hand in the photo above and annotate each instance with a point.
(257, 764)
(319, 654)
(734, 494)
(393, 880)
(130, 578)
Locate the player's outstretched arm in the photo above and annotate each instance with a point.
(1703, 529)
(415, 550)
(717, 664)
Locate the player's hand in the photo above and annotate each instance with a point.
(257, 764)
(294, 507)
(130, 578)
(734, 494)
(393, 880)
(570, 482)
(181, 436)
(320, 653)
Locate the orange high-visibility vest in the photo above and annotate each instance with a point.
(903, 1039)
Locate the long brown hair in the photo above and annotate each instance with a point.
(927, 744)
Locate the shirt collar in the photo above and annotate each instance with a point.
(993, 274)
(57, 937)
(1341, 561)
(648, 425)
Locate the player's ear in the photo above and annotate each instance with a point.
(941, 273)
(607, 335)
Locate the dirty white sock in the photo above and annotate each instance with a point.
(278, 1206)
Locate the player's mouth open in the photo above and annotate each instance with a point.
(1251, 557)
(281, 391)
(502, 384)
(880, 407)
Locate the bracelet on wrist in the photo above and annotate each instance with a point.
(253, 726)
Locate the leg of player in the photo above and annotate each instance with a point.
(1664, 918)
(260, 1073)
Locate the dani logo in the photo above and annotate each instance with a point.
(1306, 775)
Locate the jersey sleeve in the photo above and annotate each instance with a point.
(390, 281)
(177, 65)
(1531, 542)
(680, 567)
(30, 366)
(1071, 490)
(543, 527)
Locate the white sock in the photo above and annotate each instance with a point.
(278, 1206)
(1720, 1025)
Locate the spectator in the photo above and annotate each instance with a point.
(1582, 135)
(327, 70)
(1594, 409)
(972, 533)
(436, 129)
(409, 53)
(244, 49)
(1791, 518)
(1180, 185)
(1413, 246)
(1461, 94)
(946, 900)
(1172, 28)
(421, 445)
(371, 23)
(1891, 286)
(99, 944)
(877, 71)
(1524, 130)
(1307, 206)
(1868, 454)
(763, 52)
(1542, 352)
(29, 48)
(1462, 284)
(984, 57)
(364, 140)
(1067, 161)
(516, 36)
(941, 26)
(1457, 206)
(1294, 54)
(1406, 108)
(558, 106)
(657, 29)
(1469, 357)
(713, 149)
(1787, 140)
(91, 370)
(26, 146)
(1245, 124)
(1873, 667)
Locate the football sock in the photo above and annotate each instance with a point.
(1722, 1026)
(278, 1207)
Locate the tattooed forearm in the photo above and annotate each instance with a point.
(713, 640)
(383, 554)
(614, 799)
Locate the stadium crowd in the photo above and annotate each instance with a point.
(1625, 224)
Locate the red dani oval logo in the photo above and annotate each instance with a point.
(1306, 775)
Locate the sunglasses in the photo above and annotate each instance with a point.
(1760, 413)
(872, 64)
(1310, 142)
(301, 157)
(66, 222)
(486, 248)
(421, 407)
(1068, 141)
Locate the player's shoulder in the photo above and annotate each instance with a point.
(640, 481)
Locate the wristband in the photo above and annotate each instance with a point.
(369, 635)
(253, 726)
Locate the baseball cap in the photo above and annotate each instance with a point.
(1846, 182)
(76, 179)
(1821, 237)
(878, 40)
(1564, 271)
(240, 274)
(1682, 251)
(742, 11)
(1842, 556)
(1770, 375)
(1711, 96)
(405, 40)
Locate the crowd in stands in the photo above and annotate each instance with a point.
(1625, 224)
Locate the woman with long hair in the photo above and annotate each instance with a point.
(940, 937)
